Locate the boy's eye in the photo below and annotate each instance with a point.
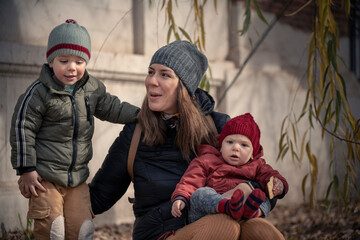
(63, 61)
(79, 62)
(150, 72)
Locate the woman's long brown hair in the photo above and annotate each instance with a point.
(193, 129)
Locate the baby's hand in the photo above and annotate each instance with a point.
(278, 187)
(176, 208)
(28, 182)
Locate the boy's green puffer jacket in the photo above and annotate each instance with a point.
(51, 129)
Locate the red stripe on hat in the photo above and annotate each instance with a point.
(68, 46)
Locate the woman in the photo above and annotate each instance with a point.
(174, 124)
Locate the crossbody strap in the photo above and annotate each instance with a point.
(133, 149)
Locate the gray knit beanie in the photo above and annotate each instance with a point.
(185, 60)
(69, 38)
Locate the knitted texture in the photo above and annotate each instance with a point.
(244, 125)
(185, 60)
(69, 38)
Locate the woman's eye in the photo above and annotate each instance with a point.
(165, 75)
(150, 72)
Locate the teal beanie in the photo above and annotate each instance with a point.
(185, 60)
(69, 38)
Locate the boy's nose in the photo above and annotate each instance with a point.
(71, 66)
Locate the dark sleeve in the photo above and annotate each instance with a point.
(110, 108)
(112, 180)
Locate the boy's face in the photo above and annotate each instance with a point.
(68, 69)
(236, 149)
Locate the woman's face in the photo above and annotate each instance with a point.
(161, 87)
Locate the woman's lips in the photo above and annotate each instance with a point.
(154, 96)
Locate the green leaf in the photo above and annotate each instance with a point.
(343, 85)
(247, 17)
(284, 152)
(303, 185)
(327, 113)
(259, 13)
(185, 34)
(337, 109)
(169, 34)
(328, 190)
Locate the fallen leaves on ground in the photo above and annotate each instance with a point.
(302, 222)
(295, 222)
(298, 222)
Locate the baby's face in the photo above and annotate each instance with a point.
(236, 149)
(68, 69)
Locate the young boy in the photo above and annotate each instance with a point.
(216, 172)
(51, 132)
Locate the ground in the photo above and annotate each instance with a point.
(296, 223)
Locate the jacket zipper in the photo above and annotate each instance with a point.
(88, 113)
(74, 142)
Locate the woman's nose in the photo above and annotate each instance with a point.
(152, 80)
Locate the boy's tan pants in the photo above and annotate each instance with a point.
(62, 212)
(221, 226)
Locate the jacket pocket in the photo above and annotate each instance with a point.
(38, 213)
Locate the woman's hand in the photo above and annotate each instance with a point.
(176, 208)
(28, 182)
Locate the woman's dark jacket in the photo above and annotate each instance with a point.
(157, 170)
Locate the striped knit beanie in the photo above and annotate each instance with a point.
(185, 60)
(69, 38)
(244, 125)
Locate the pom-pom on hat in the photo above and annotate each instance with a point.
(244, 125)
(69, 38)
(185, 60)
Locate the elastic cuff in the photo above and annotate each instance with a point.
(184, 199)
(250, 184)
(21, 171)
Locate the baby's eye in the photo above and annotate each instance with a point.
(63, 61)
(79, 62)
(244, 145)
(230, 142)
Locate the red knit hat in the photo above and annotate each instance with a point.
(244, 125)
